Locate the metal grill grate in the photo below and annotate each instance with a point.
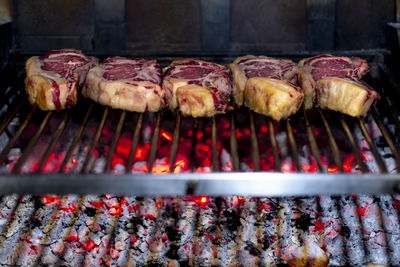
(127, 230)
(306, 125)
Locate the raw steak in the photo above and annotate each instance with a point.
(132, 84)
(52, 81)
(198, 88)
(267, 85)
(336, 73)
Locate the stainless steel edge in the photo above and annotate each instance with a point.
(245, 184)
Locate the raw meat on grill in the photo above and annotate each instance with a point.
(333, 82)
(198, 88)
(353, 98)
(52, 81)
(266, 85)
(132, 84)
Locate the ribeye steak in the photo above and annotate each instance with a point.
(52, 80)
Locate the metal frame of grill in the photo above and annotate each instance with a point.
(215, 183)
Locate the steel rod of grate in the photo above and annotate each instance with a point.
(254, 143)
(274, 145)
(31, 143)
(175, 141)
(56, 136)
(9, 118)
(20, 208)
(114, 223)
(114, 141)
(214, 145)
(45, 238)
(356, 152)
(9, 221)
(194, 141)
(154, 142)
(76, 215)
(388, 107)
(372, 147)
(95, 222)
(313, 143)
(49, 228)
(234, 146)
(293, 145)
(135, 141)
(332, 142)
(95, 140)
(4, 100)
(76, 139)
(17, 134)
(384, 101)
(388, 139)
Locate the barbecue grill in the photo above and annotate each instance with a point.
(97, 186)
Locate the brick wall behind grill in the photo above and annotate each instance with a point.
(157, 26)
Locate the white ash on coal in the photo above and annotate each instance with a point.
(199, 231)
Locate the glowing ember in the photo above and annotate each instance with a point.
(116, 210)
(50, 199)
(201, 201)
(160, 167)
(88, 245)
(180, 166)
(166, 135)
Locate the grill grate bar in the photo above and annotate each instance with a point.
(274, 145)
(46, 234)
(233, 144)
(4, 100)
(194, 141)
(76, 214)
(254, 143)
(76, 139)
(214, 145)
(54, 140)
(17, 134)
(9, 118)
(356, 152)
(313, 144)
(332, 142)
(293, 145)
(33, 141)
(154, 141)
(388, 139)
(49, 228)
(90, 235)
(175, 141)
(135, 141)
(95, 140)
(372, 146)
(384, 101)
(390, 111)
(115, 140)
(10, 216)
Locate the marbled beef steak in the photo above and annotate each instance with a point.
(132, 84)
(267, 85)
(198, 88)
(52, 81)
(333, 82)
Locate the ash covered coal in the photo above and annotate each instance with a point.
(198, 231)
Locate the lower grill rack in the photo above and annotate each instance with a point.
(202, 231)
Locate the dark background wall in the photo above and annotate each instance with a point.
(168, 26)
